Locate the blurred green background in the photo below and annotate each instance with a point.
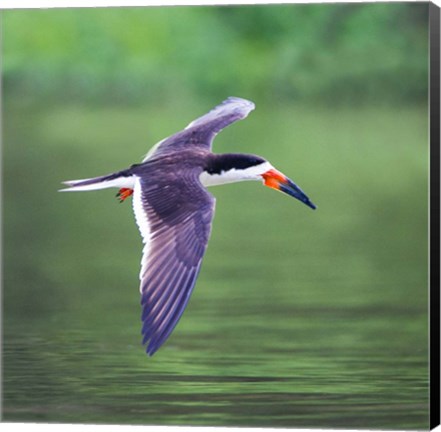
(299, 318)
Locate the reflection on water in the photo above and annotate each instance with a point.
(300, 375)
(299, 318)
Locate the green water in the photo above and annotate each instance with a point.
(298, 319)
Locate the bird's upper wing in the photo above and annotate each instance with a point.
(175, 219)
(202, 131)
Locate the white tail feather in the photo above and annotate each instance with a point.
(79, 186)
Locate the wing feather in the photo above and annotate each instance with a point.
(174, 219)
(202, 131)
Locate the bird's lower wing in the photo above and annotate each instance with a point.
(175, 223)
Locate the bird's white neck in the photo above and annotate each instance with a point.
(234, 175)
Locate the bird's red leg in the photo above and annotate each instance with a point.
(123, 194)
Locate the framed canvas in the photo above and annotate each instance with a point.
(324, 315)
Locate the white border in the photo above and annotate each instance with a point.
(32, 427)
(31, 4)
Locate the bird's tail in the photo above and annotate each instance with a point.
(121, 179)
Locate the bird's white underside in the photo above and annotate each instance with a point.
(143, 224)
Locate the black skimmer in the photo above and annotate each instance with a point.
(174, 210)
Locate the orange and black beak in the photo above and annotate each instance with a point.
(276, 180)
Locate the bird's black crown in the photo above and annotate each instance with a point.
(226, 162)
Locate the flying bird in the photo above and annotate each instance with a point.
(174, 210)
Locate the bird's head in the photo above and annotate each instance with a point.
(229, 168)
(276, 180)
